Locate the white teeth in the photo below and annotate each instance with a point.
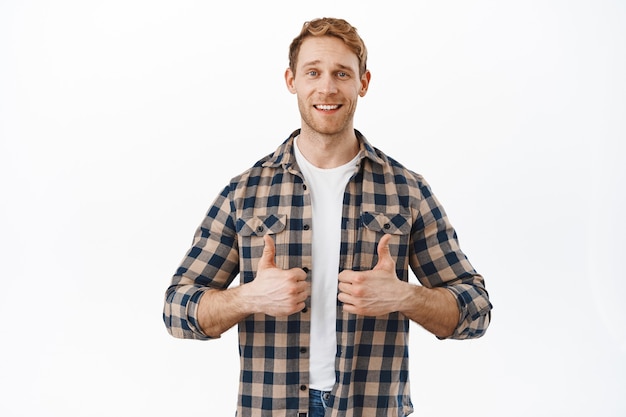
(327, 106)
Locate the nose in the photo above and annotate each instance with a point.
(328, 85)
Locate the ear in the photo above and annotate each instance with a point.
(365, 83)
(290, 80)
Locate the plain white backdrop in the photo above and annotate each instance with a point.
(120, 121)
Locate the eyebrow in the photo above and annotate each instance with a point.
(317, 61)
(311, 63)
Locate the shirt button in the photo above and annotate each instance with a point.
(304, 186)
(305, 310)
(302, 387)
(387, 226)
(302, 350)
(306, 227)
(306, 270)
(259, 229)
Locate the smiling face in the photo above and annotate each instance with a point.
(328, 85)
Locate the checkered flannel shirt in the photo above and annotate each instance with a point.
(372, 370)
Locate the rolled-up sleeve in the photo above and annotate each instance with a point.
(212, 262)
(474, 307)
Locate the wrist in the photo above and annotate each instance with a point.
(409, 299)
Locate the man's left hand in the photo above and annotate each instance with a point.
(376, 292)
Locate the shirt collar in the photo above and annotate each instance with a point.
(284, 154)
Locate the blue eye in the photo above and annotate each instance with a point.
(312, 73)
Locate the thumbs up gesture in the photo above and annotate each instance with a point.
(376, 292)
(274, 291)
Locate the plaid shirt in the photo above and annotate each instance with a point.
(372, 352)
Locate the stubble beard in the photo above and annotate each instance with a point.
(312, 122)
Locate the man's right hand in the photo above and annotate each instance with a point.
(276, 292)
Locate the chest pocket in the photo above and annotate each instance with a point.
(270, 224)
(250, 232)
(374, 225)
(395, 224)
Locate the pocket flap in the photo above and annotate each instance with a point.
(261, 225)
(395, 224)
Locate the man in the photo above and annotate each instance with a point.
(322, 233)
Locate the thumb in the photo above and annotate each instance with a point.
(269, 253)
(385, 261)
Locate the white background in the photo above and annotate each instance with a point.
(120, 121)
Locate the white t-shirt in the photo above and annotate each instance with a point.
(326, 187)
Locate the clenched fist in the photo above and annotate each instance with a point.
(276, 292)
(376, 292)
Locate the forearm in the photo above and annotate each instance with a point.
(219, 310)
(435, 309)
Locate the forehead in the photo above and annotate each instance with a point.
(326, 50)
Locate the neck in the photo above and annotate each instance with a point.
(328, 151)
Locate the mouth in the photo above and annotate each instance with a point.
(327, 107)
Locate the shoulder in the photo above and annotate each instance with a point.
(268, 166)
(380, 163)
(400, 173)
